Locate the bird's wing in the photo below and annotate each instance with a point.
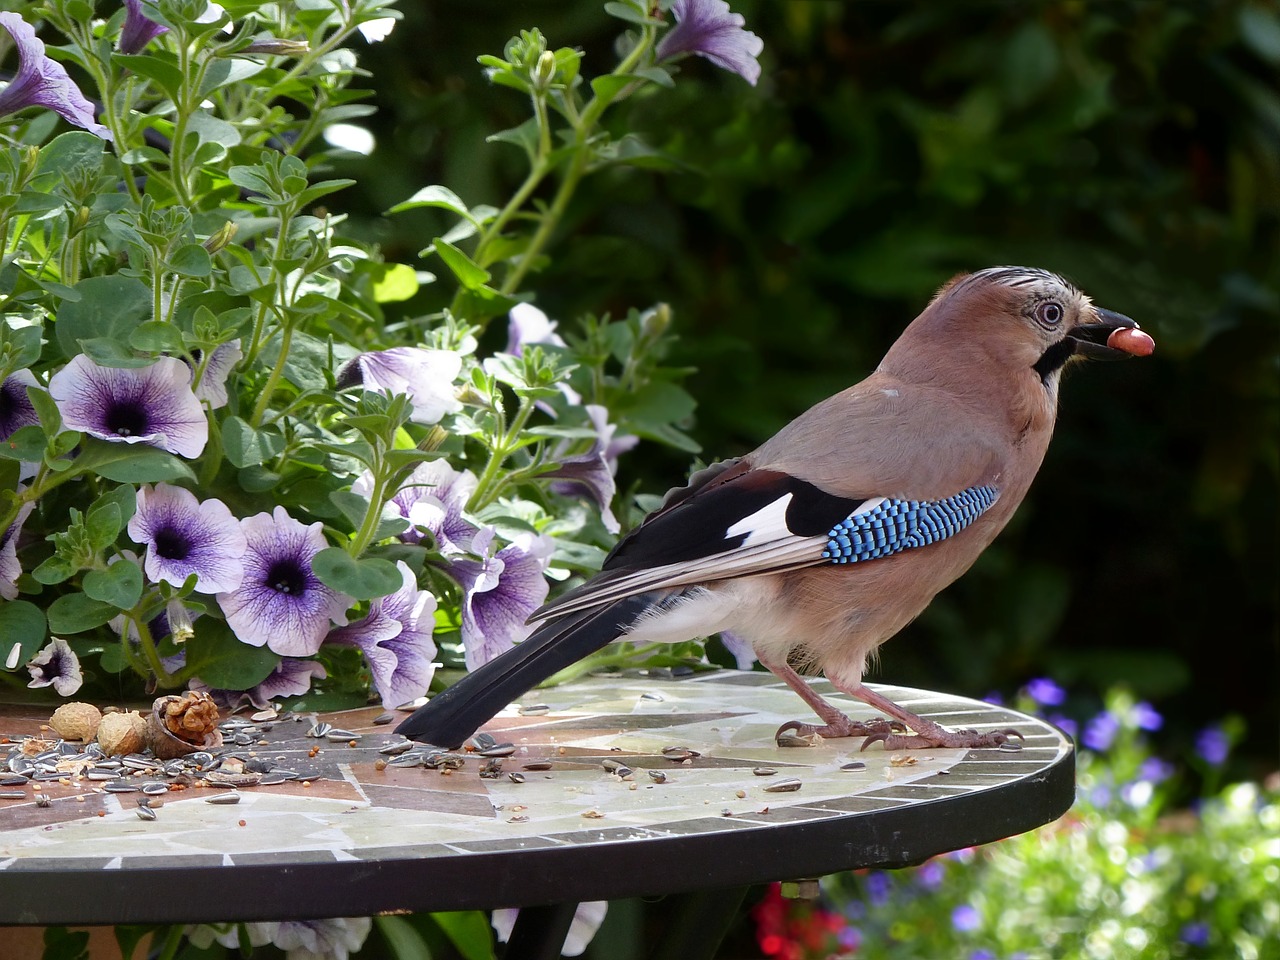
(744, 518)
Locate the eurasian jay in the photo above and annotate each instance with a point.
(829, 538)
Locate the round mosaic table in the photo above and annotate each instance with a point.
(592, 803)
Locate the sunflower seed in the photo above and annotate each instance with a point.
(854, 765)
(13, 795)
(155, 788)
(233, 779)
(320, 730)
(657, 776)
(145, 813)
(335, 735)
(515, 777)
(383, 719)
(224, 798)
(498, 750)
(791, 740)
(135, 761)
(201, 758)
(534, 710)
(100, 773)
(264, 715)
(679, 754)
(1010, 747)
(657, 697)
(483, 741)
(783, 786)
(14, 781)
(407, 760)
(42, 800)
(764, 771)
(395, 749)
(537, 765)
(120, 786)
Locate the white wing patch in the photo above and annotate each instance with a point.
(766, 525)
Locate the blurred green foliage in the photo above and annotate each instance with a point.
(796, 227)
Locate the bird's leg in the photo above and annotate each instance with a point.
(927, 733)
(834, 721)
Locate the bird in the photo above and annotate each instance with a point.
(835, 533)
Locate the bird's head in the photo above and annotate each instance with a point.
(1032, 319)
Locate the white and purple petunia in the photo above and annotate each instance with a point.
(152, 404)
(425, 376)
(43, 82)
(16, 409)
(592, 473)
(184, 536)
(529, 326)
(10, 566)
(396, 639)
(57, 666)
(708, 28)
(212, 388)
(500, 591)
(281, 602)
(138, 29)
(333, 939)
(433, 498)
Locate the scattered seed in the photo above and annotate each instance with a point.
(498, 750)
(515, 777)
(903, 760)
(42, 800)
(534, 710)
(594, 815)
(14, 781)
(1010, 747)
(320, 730)
(537, 765)
(383, 719)
(339, 736)
(395, 749)
(764, 771)
(518, 818)
(657, 697)
(657, 776)
(13, 795)
(120, 786)
(406, 760)
(155, 788)
(264, 715)
(788, 785)
(224, 798)
(483, 741)
(145, 813)
(740, 794)
(854, 765)
(791, 740)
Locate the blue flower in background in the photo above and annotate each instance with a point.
(42, 82)
(1100, 732)
(1213, 745)
(1146, 717)
(965, 918)
(1155, 770)
(1195, 934)
(1046, 693)
(709, 29)
(878, 886)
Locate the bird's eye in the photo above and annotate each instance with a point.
(1049, 313)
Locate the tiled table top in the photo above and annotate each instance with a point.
(355, 834)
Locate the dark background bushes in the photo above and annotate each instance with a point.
(796, 227)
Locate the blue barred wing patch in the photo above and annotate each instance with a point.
(895, 525)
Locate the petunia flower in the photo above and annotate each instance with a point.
(1100, 732)
(10, 566)
(212, 387)
(529, 326)
(709, 29)
(291, 677)
(1213, 744)
(1046, 693)
(281, 602)
(58, 666)
(500, 591)
(395, 639)
(43, 82)
(16, 409)
(592, 472)
(433, 498)
(586, 921)
(138, 29)
(152, 404)
(743, 653)
(425, 376)
(185, 536)
(334, 939)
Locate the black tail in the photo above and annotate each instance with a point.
(450, 717)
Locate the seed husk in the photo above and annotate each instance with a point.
(764, 771)
(854, 765)
(145, 813)
(224, 798)
(787, 785)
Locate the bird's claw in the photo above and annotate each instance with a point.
(796, 733)
(945, 739)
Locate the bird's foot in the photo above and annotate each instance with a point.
(841, 726)
(935, 736)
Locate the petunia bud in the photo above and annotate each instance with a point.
(545, 70)
(277, 47)
(219, 240)
(181, 629)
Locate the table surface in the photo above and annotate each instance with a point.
(352, 837)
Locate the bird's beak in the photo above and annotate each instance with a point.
(1101, 340)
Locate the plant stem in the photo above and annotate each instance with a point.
(264, 398)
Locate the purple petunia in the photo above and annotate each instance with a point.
(433, 499)
(1213, 745)
(1046, 693)
(965, 918)
(592, 472)
(500, 592)
(281, 602)
(333, 939)
(16, 409)
(1195, 934)
(212, 387)
(57, 666)
(709, 29)
(526, 324)
(425, 376)
(10, 566)
(138, 29)
(42, 82)
(152, 404)
(1100, 732)
(1145, 717)
(396, 641)
(185, 536)
(931, 874)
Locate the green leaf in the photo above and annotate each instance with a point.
(109, 308)
(629, 12)
(65, 153)
(46, 410)
(26, 342)
(394, 282)
(468, 931)
(405, 942)
(21, 623)
(26, 443)
(104, 523)
(160, 66)
(106, 352)
(119, 585)
(210, 129)
(53, 570)
(322, 189)
(190, 260)
(609, 85)
(123, 497)
(434, 196)
(156, 336)
(139, 463)
(524, 136)
(76, 613)
(257, 479)
(225, 662)
(469, 273)
(246, 447)
(362, 579)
